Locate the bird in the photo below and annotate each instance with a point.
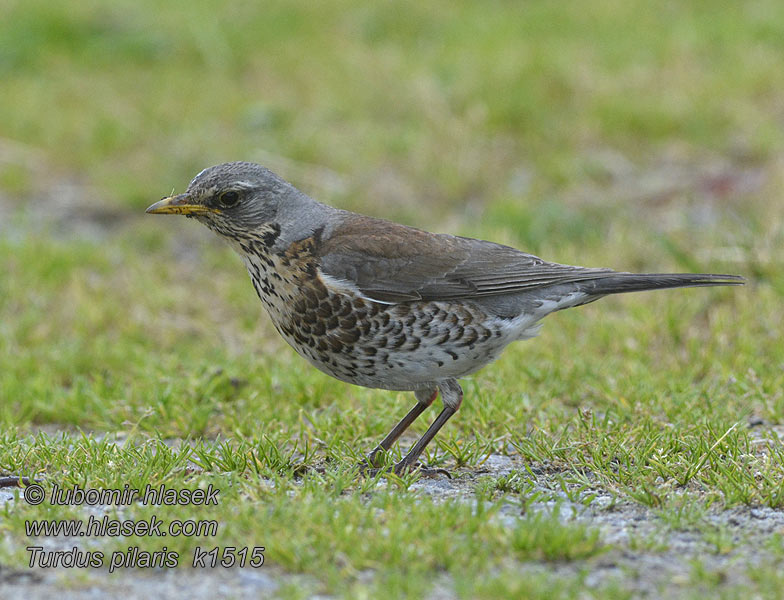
(383, 305)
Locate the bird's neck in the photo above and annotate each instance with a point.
(301, 218)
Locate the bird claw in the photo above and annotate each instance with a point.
(402, 468)
(432, 471)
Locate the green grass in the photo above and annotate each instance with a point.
(623, 134)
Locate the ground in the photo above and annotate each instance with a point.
(633, 449)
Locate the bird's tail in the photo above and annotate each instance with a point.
(619, 283)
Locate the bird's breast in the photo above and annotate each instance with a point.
(400, 346)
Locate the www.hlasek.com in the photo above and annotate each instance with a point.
(228, 556)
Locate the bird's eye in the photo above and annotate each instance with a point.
(229, 199)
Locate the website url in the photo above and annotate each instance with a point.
(107, 527)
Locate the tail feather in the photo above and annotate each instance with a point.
(619, 283)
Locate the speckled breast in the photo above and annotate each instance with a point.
(403, 346)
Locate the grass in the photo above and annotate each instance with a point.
(133, 350)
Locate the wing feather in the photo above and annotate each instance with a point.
(389, 262)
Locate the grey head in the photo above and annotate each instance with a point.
(241, 199)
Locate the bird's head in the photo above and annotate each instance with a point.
(235, 199)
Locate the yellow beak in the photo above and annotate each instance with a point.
(179, 205)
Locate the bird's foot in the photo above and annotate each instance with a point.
(402, 468)
(431, 471)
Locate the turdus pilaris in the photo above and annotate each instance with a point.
(383, 305)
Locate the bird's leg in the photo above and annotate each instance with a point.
(424, 399)
(452, 396)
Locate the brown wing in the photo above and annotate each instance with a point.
(393, 263)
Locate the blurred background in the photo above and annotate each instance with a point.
(630, 134)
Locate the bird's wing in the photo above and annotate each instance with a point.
(388, 262)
